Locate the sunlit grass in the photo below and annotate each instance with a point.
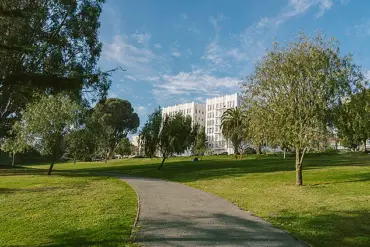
(40, 210)
(331, 209)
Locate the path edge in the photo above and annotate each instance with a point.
(132, 234)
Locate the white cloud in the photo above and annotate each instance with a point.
(176, 54)
(297, 7)
(130, 77)
(140, 62)
(142, 38)
(250, 45)
(324, 6)
(197, 82)
(362, 29)
(142, 111)
(153, 78)
(157, 45)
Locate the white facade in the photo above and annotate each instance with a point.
(135, 140)
(197, 112)
(215, 107)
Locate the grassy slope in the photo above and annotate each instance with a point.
(68, 210)
(332, 209)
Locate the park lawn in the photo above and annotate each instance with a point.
(331, 209)
(64, 210)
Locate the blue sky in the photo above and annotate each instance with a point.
(176, 51)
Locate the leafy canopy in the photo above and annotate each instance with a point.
(114, 119)
(233, 126)
(45, 124)
(295, 88)
(48, 47)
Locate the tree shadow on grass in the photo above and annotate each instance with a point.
(188, 171)
(97, 237)
(337, 228)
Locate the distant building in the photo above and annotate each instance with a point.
(197, 112)
(135, 140)
(215, 107)
(136, 143)
(209, 115)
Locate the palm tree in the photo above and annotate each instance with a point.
(233, 126)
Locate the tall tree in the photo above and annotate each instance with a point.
(175, 136)
(296, 88)
(45, 124)
(167, 135)
(114, 118)
(149, 135)
(48, 46)
(233, 123)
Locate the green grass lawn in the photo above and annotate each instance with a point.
(331, 209)
(64, 210)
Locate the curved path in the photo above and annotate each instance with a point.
(173, 214)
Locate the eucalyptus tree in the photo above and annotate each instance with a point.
(295, 88)
(175, 136)
(113, 120)
(149, 135)
(166, 135)
(48, 47)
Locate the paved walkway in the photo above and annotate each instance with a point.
(173, 214)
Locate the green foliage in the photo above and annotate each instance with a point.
(200, 145)
(294, 89)
(124, 147)
(352, 119)
(112, 120)
(81, 144)
(168, 135)
(175, 136)
(233, 126)
(14, 145)
(45, 124)
(149, 135)
(49, 47)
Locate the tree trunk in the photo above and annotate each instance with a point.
(298, 166)
(236, 151)
(164, 158)
(284, 153)
(13, 158)
(258, 149)
(51, 167)
(74, 159)
(106, 157)
(365, 150)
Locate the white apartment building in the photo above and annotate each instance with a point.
(197, 112)
(215, 107)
